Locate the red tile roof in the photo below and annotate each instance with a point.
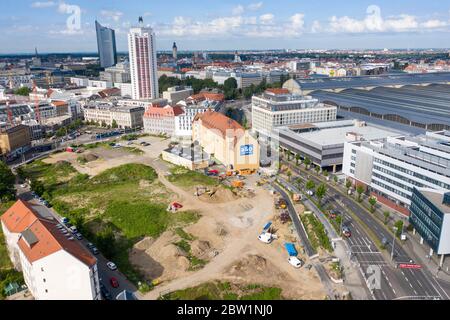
(207, 96)
(60, 103)
(278, 91)
(23, 217)
(216, 120)
(167, 111)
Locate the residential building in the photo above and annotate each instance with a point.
(226, 141)
(161, 120)
(143, 63)
(391, 168)
(323, 142)
(430, 216)
(278, 107)
(106, 43)
(55, 266)
(14, 140)
(183, 122)
(178, 93)
(126, 117)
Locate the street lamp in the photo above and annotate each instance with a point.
(393, 242)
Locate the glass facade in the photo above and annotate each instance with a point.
(426, 219)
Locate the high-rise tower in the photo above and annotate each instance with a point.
(143, 63)
(106, 43)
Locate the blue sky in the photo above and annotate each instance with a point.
(231, 24)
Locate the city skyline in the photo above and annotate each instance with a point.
(241, 25)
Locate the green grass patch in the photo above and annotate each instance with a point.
(186, 178)
(217, 290)
(316, 232)
(183, 234)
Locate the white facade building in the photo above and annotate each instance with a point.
(143, 63)
(278, 108)
(392, 167)
(55, 266)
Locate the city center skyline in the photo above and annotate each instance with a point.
(241, 25)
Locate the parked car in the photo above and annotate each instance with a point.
(111, 265)
(73, 229)
(90, 245)
(295, 262)
(65, 220)
(384, 241)
(23, 185)
(266, 237)
(95, 251)
(310, 193)
(79, 236)
(114, 282)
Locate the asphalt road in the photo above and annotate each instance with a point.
(105, 274)
(395, 283)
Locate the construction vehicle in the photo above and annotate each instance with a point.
(237, 183)
(281, 204)
(201, 190)
(245, 172)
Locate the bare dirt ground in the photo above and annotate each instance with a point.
(225, 236)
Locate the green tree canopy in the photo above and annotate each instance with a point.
(7, 179)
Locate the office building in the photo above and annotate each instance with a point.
(14, 140)
(430, 216)
(391, 168)
(178, 93)
(161, 120)
(323, 142)
(126, 117)
(278, 107)
(143, 63)
(106, 43)
(55, 266)
(120, 73)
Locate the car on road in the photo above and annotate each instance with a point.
(114, 283)
(310, 193)
(266, 237)
(105, 294)
(384, 241)
(73, 229)
(90, 245)
(346, 231)
(95, 251)
(295, 262)
(144, 144)
(79, 236)
(111, 265)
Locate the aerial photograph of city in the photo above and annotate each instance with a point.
(225, 151)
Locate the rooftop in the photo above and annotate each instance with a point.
(216, 120)
(437, 198)
(40, 236)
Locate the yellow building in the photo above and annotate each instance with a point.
(226, 140)
(14, 139)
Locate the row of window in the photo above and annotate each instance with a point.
(394, 190)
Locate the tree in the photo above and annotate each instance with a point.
(229, 87)
(372, 202)
(348, 184)
(335, 179)
(387, 214)
(307, 162)
(320, 192)
(310, 185)
(399, 225)
(359, 190)
(37, 187)
(325, 173)
(114, 124)
(7, 180)
(297, 159)
(24, 91)
(103, 124)
(317, 169)
(289, 174)
(61, 132)
(105, 240)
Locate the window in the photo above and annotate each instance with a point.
(46, 291)
(44, 280)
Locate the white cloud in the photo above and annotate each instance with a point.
(43, 4)
(255, 6)
(267, 18)
(114, 15)
(238, 10)
(316, 27)
(433, 24)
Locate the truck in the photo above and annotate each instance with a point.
(290, 248)
(237, 183)
(281, 204)
(246, 171)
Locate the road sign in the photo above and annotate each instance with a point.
(409, 266)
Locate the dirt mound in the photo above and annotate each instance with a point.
(221, 230)
(220, 195)
(257, 267)
(90, 157)
(200, 248)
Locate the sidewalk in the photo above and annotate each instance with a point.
(353, 279)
